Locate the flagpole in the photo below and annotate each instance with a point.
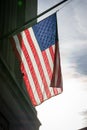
(26, 24)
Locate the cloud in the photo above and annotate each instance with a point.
(78, 57)
(80, 17)
(73, 60)
(73, 46)
(73, 38)
(72, 21)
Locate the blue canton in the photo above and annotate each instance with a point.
(46, 32)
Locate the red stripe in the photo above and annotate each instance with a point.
(32, 71)
(38, 63)
(55, 91)
(46, 61)
(24, 71)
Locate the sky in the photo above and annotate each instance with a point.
(68, 111)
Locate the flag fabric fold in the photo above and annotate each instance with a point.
(37, 49)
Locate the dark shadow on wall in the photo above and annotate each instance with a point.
(4, 124)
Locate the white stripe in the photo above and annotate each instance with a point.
(53, 49)
(59, 90)
(49, 59)
(30, 53)
(26, 68)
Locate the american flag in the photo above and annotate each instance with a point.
(38, 51)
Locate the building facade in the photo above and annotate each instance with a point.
(16, 110)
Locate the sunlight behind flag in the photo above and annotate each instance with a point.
(38, 51)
